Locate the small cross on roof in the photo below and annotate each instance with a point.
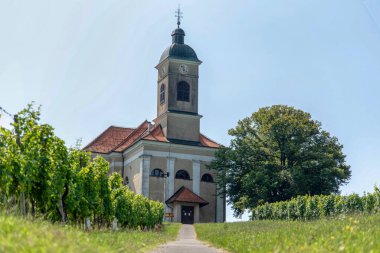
(178, 15)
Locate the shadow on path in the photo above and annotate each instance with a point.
(186, 243)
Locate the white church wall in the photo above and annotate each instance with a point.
(134, 176)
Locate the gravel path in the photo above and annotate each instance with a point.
(186, 243)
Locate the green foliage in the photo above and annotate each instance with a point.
(357, 233)
(115, 181)
(122, 203)
(278, 153)
(134, 210)
(46, 179)
(318, 206)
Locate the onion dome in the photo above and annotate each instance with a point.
(178, 49)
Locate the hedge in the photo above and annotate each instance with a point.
(318, 206)
(133, 210)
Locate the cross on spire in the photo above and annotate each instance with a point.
(178, 15)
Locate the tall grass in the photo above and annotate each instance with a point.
(358, 233)
(23, 235)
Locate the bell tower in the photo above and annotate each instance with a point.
(177, 89)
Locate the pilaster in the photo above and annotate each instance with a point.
(170, 179)
(144, 172)
(112, 166)
(196, 176)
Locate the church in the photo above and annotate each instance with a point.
(166, 159)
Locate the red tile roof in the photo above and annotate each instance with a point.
(109, 139)
(185, 195)
(117, 139)
(207, 142)
(135, 135)
(155, 135)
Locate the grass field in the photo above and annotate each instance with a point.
(350, 234)
(20, 235)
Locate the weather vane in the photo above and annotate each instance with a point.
(178, 15)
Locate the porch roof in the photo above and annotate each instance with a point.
(186, 195)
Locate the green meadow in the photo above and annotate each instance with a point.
(346, 234)
(23, 235)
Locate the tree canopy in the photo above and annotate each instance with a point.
(277, 153)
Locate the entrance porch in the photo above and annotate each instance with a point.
(185, 205)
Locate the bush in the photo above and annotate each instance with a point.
(133, 210)
(314, 207)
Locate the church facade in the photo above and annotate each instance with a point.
(166, 159)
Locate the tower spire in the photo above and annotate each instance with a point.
(178, 15)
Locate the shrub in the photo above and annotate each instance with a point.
(314, 207)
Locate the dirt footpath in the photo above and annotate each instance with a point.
(186, 243)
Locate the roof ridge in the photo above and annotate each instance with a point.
(155, 128)
(151, 130)
(179, 191)
(129, 136)
(121, 127)
(146, 133)
(139, 137)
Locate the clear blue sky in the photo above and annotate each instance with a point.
(91, 64)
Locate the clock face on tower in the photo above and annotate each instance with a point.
(183, 69)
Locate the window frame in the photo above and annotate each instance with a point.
(183, 91)
(207, 181)
(154, 174)
(162, 93)
(186, 177)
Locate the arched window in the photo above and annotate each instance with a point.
(182, 174)
(126, 181)
(207, 178)
(183, 91)
(157, 173)
(162, 94)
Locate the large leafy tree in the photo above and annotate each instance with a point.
(277, 153)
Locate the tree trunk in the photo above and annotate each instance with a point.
(63, 204)
(60, 210)
(33, 207)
